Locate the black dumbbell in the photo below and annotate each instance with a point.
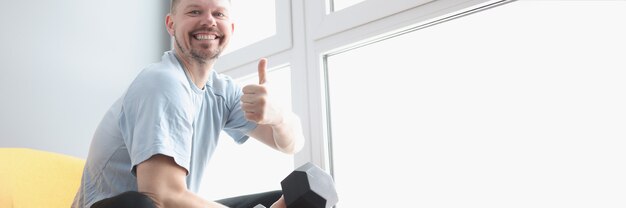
(308, 187)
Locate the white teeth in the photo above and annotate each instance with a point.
(206, 37)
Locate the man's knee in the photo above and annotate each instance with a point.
(129, 199)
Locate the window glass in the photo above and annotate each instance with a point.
(495, 109)
(254, 21)
(251, 167)
(342, 4)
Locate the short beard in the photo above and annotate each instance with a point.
(199, 57)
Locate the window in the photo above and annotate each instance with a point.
(324, 20)
(254, 22)
(342, 4)
(494, 109)
(461, 102)
(251, 167)
(262, 28)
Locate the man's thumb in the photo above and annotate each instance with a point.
(262, 67)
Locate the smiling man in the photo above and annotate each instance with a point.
(151, 147)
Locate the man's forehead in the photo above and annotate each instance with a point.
(202, 3)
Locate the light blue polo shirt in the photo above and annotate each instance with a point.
(162, 112)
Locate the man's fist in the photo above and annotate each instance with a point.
(255, 102)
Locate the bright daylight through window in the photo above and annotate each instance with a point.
(520, 105)
(251, 173)
(342, 4)
(254, 21)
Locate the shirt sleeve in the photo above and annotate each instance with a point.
(237, 126)
(156, 119)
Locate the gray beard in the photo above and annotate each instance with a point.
(198, 56)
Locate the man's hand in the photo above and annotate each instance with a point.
(280, 203)
(256, 103)
(278, 129)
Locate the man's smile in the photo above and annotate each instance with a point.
(205, 36)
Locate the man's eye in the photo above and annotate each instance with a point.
(219, 14)
(195, 12)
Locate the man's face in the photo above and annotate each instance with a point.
(201, 28)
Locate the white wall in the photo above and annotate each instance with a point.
(64, 62)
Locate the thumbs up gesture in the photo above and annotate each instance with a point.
(262, 68)
(256, 103)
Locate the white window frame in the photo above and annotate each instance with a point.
(327, 23)
(251, 53)
(307, 31)
(337, 36)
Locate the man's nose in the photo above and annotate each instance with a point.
(209, 20)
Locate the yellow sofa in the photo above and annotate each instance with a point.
(34, 178)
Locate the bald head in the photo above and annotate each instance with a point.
(174, 3)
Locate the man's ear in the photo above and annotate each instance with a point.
(232, 26)
(169, 24)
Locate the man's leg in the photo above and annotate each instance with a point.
(249, 201)
(130, 199)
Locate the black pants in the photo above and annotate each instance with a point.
(133, 199)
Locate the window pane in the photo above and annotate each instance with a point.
(251, 167)
(495, 109)
(254, 21)
(342, 4)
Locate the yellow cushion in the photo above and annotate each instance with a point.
(34, 178)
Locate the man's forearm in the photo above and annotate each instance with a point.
(288, 134)
(161, 179)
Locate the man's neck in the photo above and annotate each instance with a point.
(199, 73)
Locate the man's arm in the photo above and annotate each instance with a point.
(285, 137)
(279, 129)
(161, 179)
